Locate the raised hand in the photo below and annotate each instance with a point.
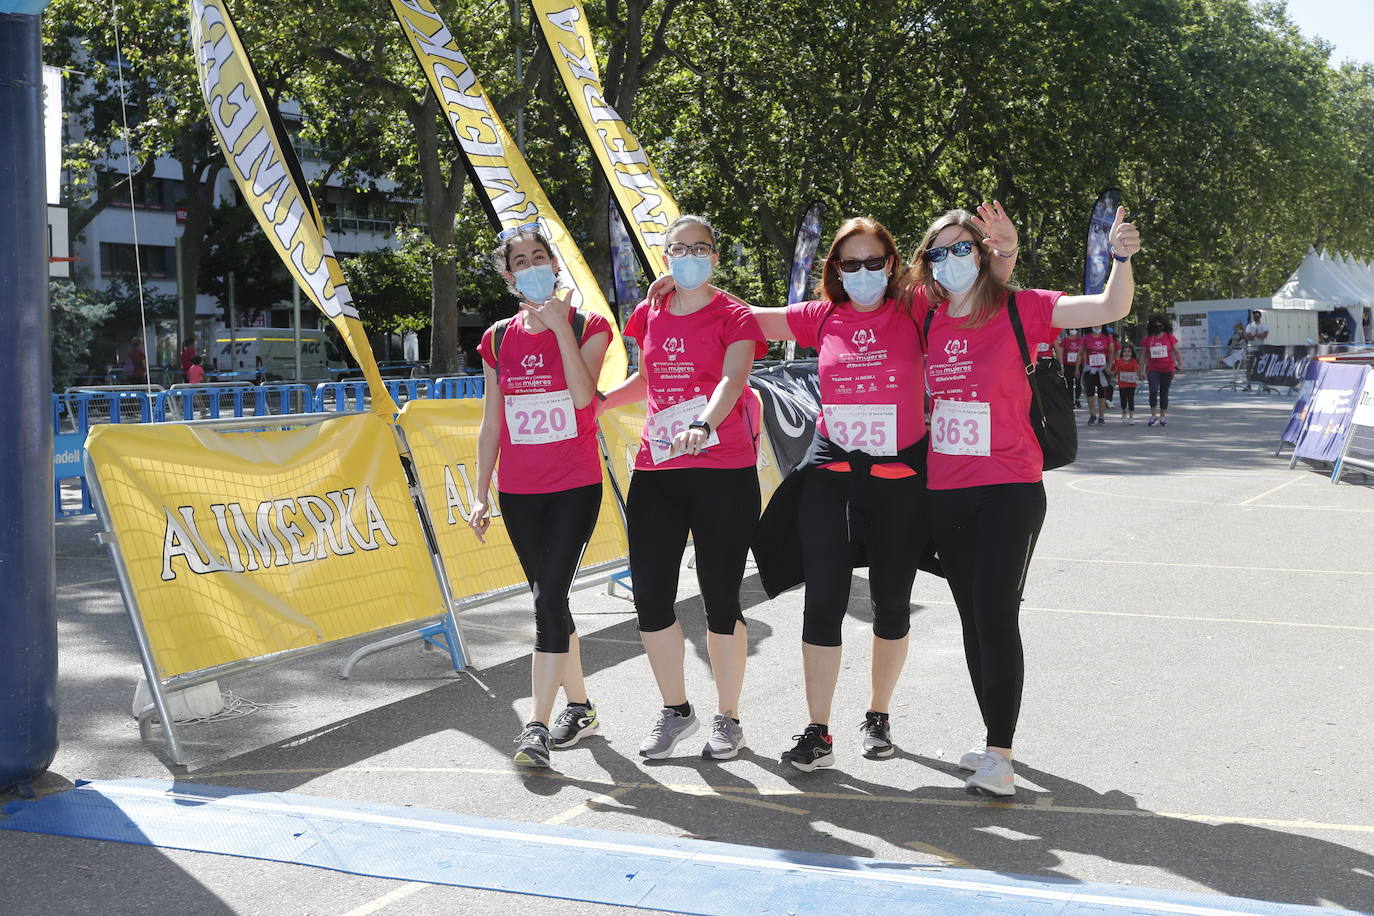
(998, 232)
(659, 290)
(1124, 236)
(553, 312)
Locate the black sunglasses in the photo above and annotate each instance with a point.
(958, 249)
(852, 265)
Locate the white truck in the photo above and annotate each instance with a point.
(239, 353)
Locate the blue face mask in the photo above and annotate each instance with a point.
(535, 283)
(690, 271)
(864, 286)
(956, 274)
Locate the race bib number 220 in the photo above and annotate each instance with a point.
(538, 419)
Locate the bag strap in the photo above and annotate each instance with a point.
(1015, 317)
(925, 329)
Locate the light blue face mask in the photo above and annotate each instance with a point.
(956, 274)
(535, 283)
(864, 286)
(690, 271)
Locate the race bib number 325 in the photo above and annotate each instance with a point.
(961, 428)
(538, 419)
(870, 428)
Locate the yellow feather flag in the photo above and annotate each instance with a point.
(264, 165)
(511, 196)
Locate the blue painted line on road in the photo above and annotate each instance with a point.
(681, 875)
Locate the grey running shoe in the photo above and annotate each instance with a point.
(573, 724)
(532, 748)
(727, 739)
(993, 777)
(972, 759)
(877, 732)
(663, 738)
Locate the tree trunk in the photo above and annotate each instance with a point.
(199, 183)
(441, 206)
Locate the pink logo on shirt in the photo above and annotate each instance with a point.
(955, 349)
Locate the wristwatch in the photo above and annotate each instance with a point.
(1117, 257)
(701, 425)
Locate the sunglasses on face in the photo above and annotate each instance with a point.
(513, 231)
(958, 249)
(852, 265)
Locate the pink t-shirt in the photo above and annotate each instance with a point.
(1044, 349)
(530, 364)
(1155, 363)
(681, 358)
(1096, 345)
(870, 358)
(1131, 370)
(982, 367)
(1072, 347)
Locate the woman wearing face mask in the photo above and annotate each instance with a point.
(985, 466)
(1161, 362)
(1068, 349)
(539, 424)
(694, 474)
(1098, 354)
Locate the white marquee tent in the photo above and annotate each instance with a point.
(1325, 283)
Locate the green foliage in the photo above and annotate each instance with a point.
(76, 315)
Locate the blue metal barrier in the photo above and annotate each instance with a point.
(407, 389)
(458, 386)
(214, 402)
(73, 414)
(341, 393)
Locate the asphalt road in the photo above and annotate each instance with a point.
(1199, 634)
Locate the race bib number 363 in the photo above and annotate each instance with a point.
(538, 419)
(870, 428)
(961, 428)
(662, 426)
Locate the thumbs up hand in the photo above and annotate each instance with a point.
(1124, 236)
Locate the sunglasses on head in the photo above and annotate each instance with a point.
(513, 231)
(852, 265)
(958, 249)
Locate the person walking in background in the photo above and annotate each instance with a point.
(695, 474)
(1126, 376)
(188, 355)
(1256, 333)
(539, 424)
(196, 373)
(1099, 351)
(1068, 348)
(987, 497)
(134, 369)
(1161, 362)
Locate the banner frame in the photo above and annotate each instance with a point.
(157, 685)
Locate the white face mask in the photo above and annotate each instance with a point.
(864, 286)
(1097, 330)
(956, 274)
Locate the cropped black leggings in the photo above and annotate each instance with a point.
(550, 532)
(985, 537)
(719, 507)
(895, 537)
(1159, 388)
(1127, 398)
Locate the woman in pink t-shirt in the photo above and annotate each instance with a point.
(1068, 349)
(539, 425)
(1099, 351)
(987, 499)
(695, 475)
(1160, 347)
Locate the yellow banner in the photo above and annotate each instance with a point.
(645, 204)
(442, 435)
(244, 544)
(269, 176)
(513, 196)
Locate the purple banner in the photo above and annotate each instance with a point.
(1098, 258)
(1310, 380)
(622, 266)
(804, 253)
(1328, 412)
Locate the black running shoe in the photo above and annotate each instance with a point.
(573, 724)
(877, 735)
(813, 750)
(532, 748)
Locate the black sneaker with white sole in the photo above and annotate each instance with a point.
(814, 749)
(532, 747)
(877, 731)
(575, 722)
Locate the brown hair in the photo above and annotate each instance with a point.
(500, 255)
(988, 295)
(830, 286)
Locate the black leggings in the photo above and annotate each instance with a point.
(985, 536)
(550, 531)
(1128, 399)
(895, 536)
(1159, 388)
(1073, 382)
(720, 509)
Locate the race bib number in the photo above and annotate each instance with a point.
(1042, 349)
(1125, 378)
(667, 423)
(961, 428)
(538, 419)
(1097, 360)
(870, 428)
(1071, 357)
(1158, 352)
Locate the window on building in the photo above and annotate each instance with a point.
(158, 262)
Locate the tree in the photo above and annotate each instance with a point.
(76, 314)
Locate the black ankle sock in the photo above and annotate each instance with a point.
(534, 722)
(881, 715)
(685, 710)
(584, 704)
(825, 730)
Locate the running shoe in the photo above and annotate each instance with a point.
(813, 750)
(1091, 419)
(575, 722)
(877, 732)
(727, 739)
(1163, 422)
(994, 776)
(532, 747)
(663, 738)
(1154, 421)
(972, 759)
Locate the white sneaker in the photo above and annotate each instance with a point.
(972, 760)
(994, 777)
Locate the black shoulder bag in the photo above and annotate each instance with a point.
(1051, 412)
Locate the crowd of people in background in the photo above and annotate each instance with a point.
(1097, 363)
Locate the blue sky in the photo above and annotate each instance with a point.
(1349, 24)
